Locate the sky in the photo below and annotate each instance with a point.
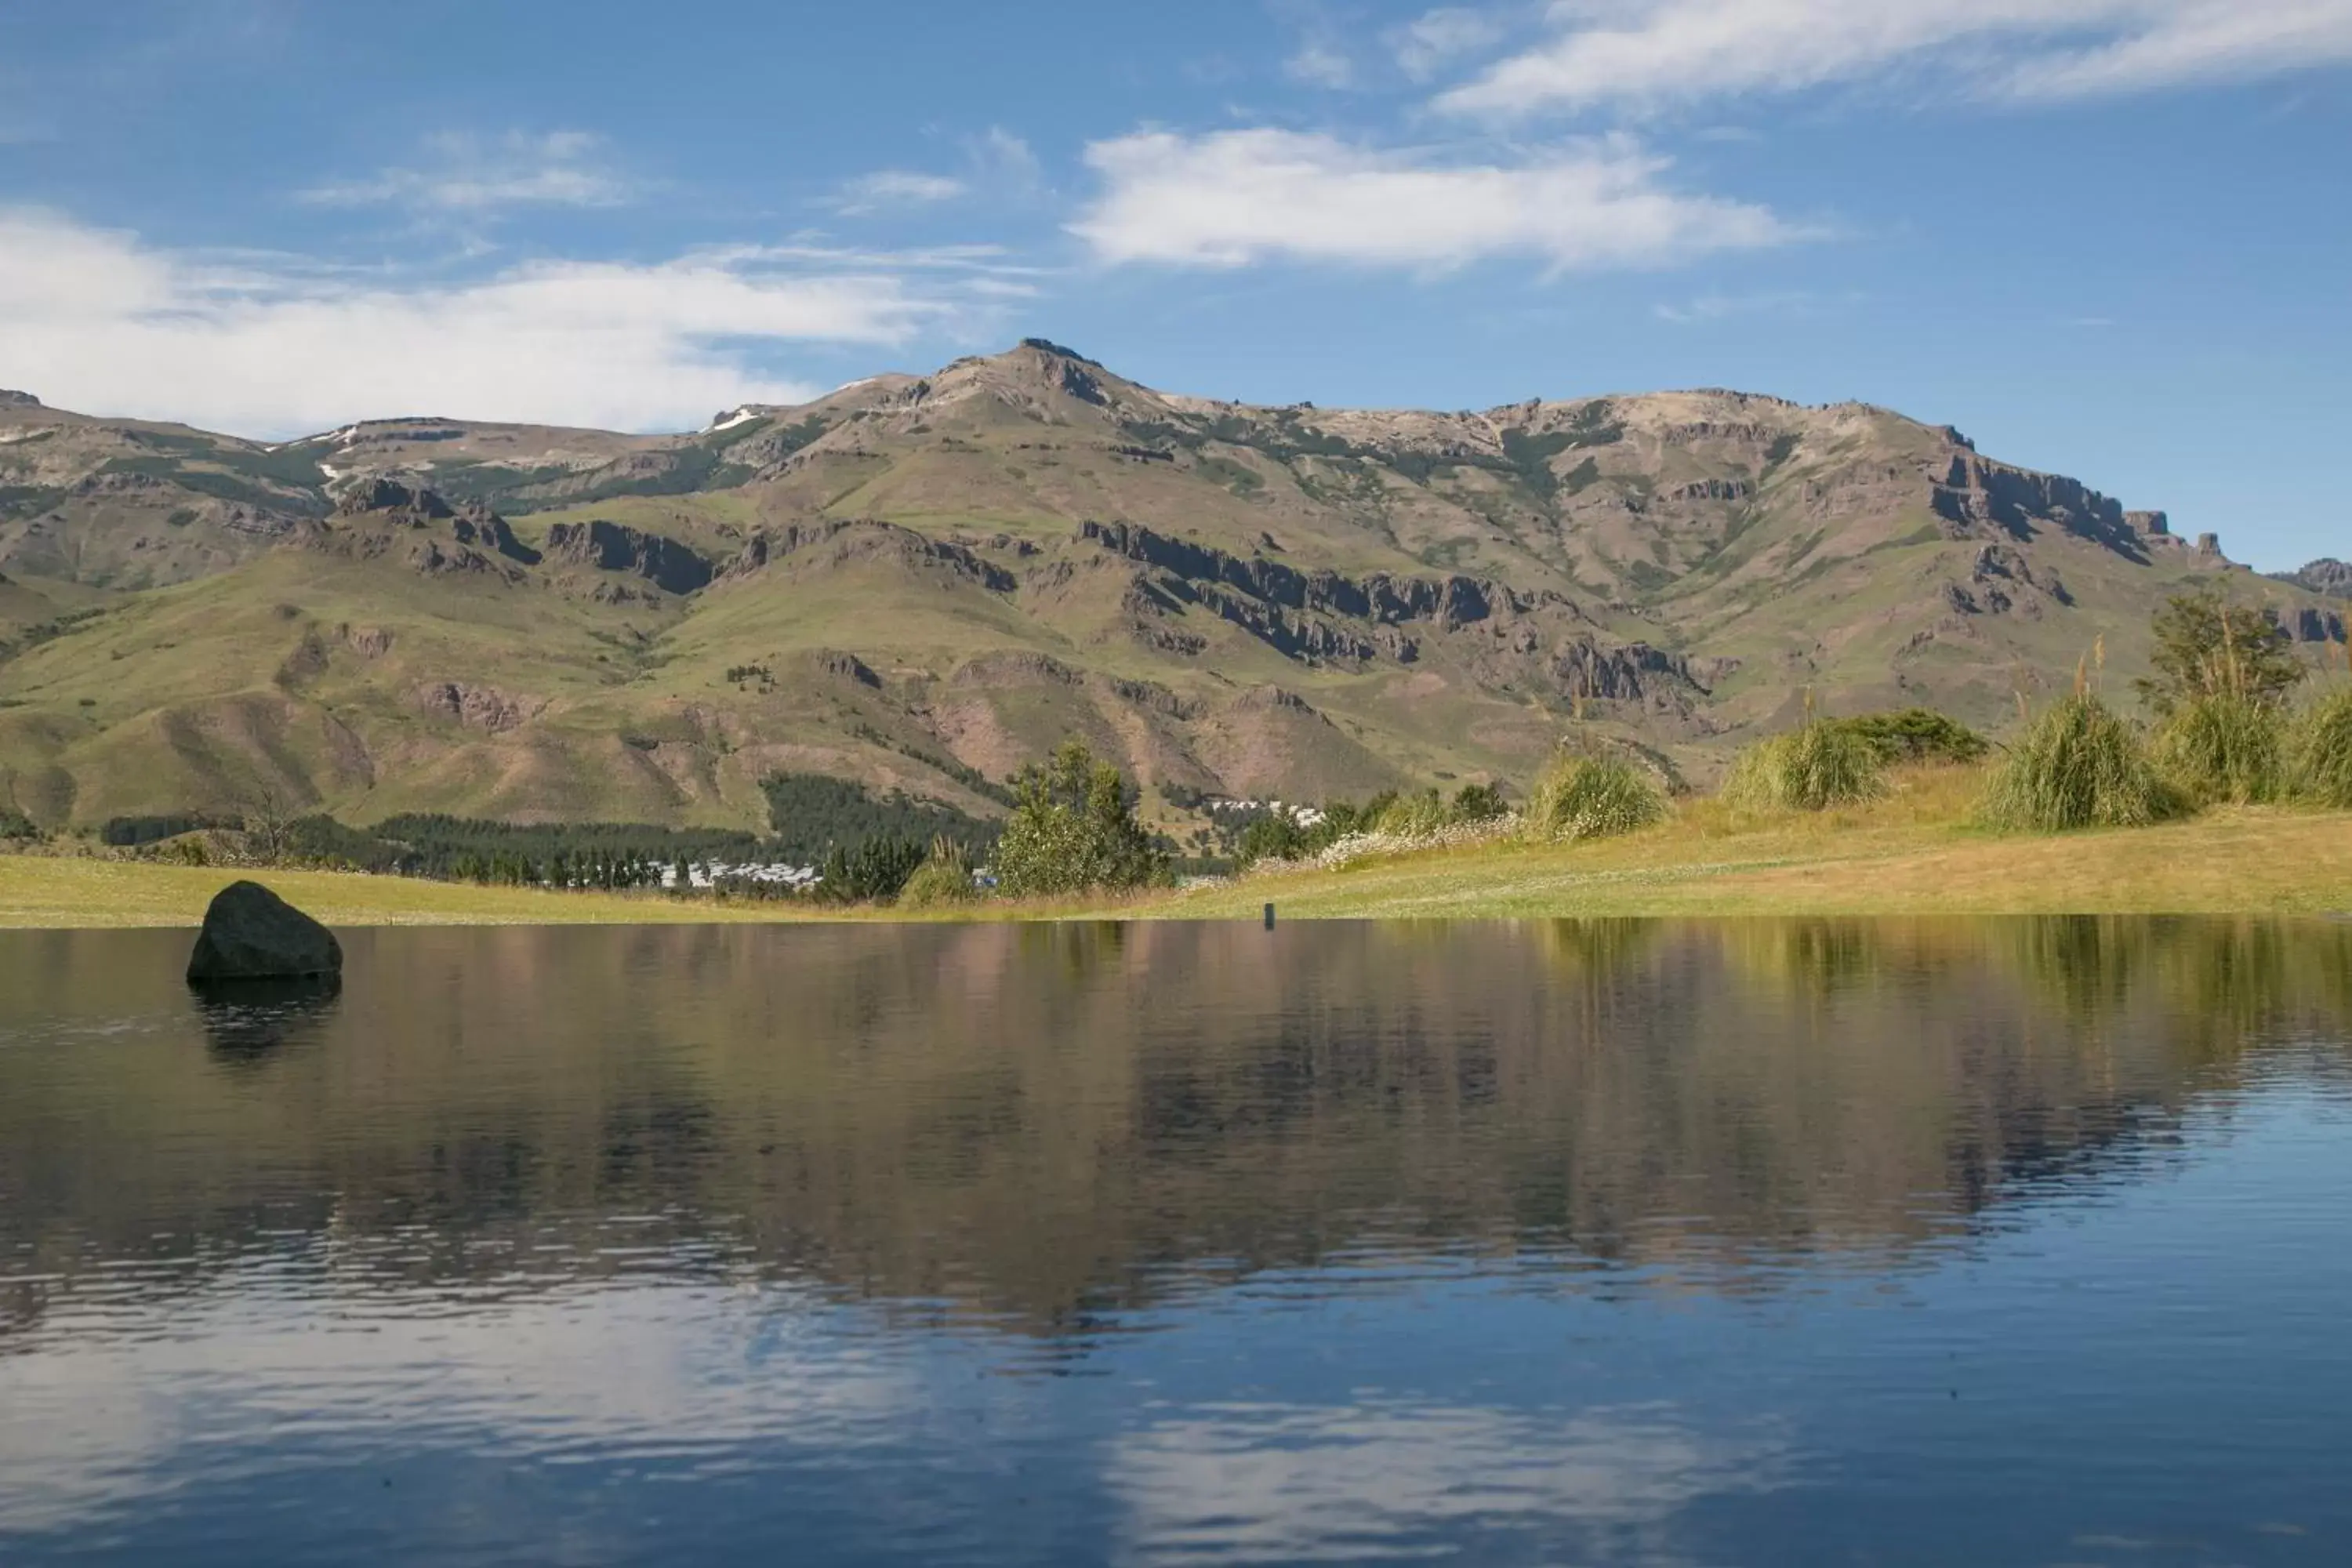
(2105, 238)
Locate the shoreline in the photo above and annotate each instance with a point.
(2247, 860)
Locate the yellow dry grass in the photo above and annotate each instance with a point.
(1910, 853)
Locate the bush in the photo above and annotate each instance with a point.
(2223, 746)
(1582, 796)
(943, 878)
(2078, 765)
(15, 824)
(1809, 769)
(1272, 835)
(1479, 802)
(1428, 812)
(2320, 751)
(1073, 829)
(1917, 735)
(1415, 816)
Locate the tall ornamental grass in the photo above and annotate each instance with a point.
(2224, 747)
(2080, 764)
(2320, 751)
(1582, 796)
(944, 877)
(1811, 769)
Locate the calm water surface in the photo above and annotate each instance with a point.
(1804, 1243)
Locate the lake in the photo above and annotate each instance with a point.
(1791, 1242)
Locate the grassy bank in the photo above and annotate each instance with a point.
(1909, 853)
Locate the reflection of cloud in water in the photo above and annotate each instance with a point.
(1280, 1482)
(657, 1375)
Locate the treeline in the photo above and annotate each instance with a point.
(456, 849)
(811, 816)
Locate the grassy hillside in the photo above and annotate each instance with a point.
(916, 578)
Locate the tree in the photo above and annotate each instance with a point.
(1270, 835)
(2207, 647)
(874, 871)
(1072, 828)
(268, 825)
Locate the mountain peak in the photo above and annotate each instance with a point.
(17, 399)
(1048, 346)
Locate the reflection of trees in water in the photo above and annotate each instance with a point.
(1053, 1122)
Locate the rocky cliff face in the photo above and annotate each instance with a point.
(611, 547)
(2325, 575)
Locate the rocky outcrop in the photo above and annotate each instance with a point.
(2315, 626)
(483, 708)
(1379, 597)
(1628, 672)
(835, 664)
(251, 933)
(2325, 575)
(1975, 494)
(612, 547)
(396, 503)
(17, 399)
(2000, 562)
(852, 538)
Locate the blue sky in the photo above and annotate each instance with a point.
(2108, 238)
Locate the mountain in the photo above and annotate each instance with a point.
(923, 582)
(2325, 575)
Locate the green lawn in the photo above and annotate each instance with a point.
(1905, 856)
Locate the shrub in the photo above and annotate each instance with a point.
(943, 878)
(1428, 812)
(1584, 796)
(2320, 751)
(1809, 769)
(2223, 746)
(1272, 835)
(1917, 735)
(2078, 765)
(1074, 828)
(15, 824)
(1479, 802)
(1415, 816)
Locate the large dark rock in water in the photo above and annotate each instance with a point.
(251, 933)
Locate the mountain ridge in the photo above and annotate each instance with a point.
(505, 619)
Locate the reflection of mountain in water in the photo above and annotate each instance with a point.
(1042, 1122)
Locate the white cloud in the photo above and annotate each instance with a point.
(998, 164)
(1229, 198)
(94, 319)
(1291, 1483)
(1711, 308)
(1319, 64)
(1659, 51)
(888, 188)
(1435, 40)
(93, 1423)
(467, 174)
(1003, 160)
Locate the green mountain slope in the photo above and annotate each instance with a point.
(917, 578)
